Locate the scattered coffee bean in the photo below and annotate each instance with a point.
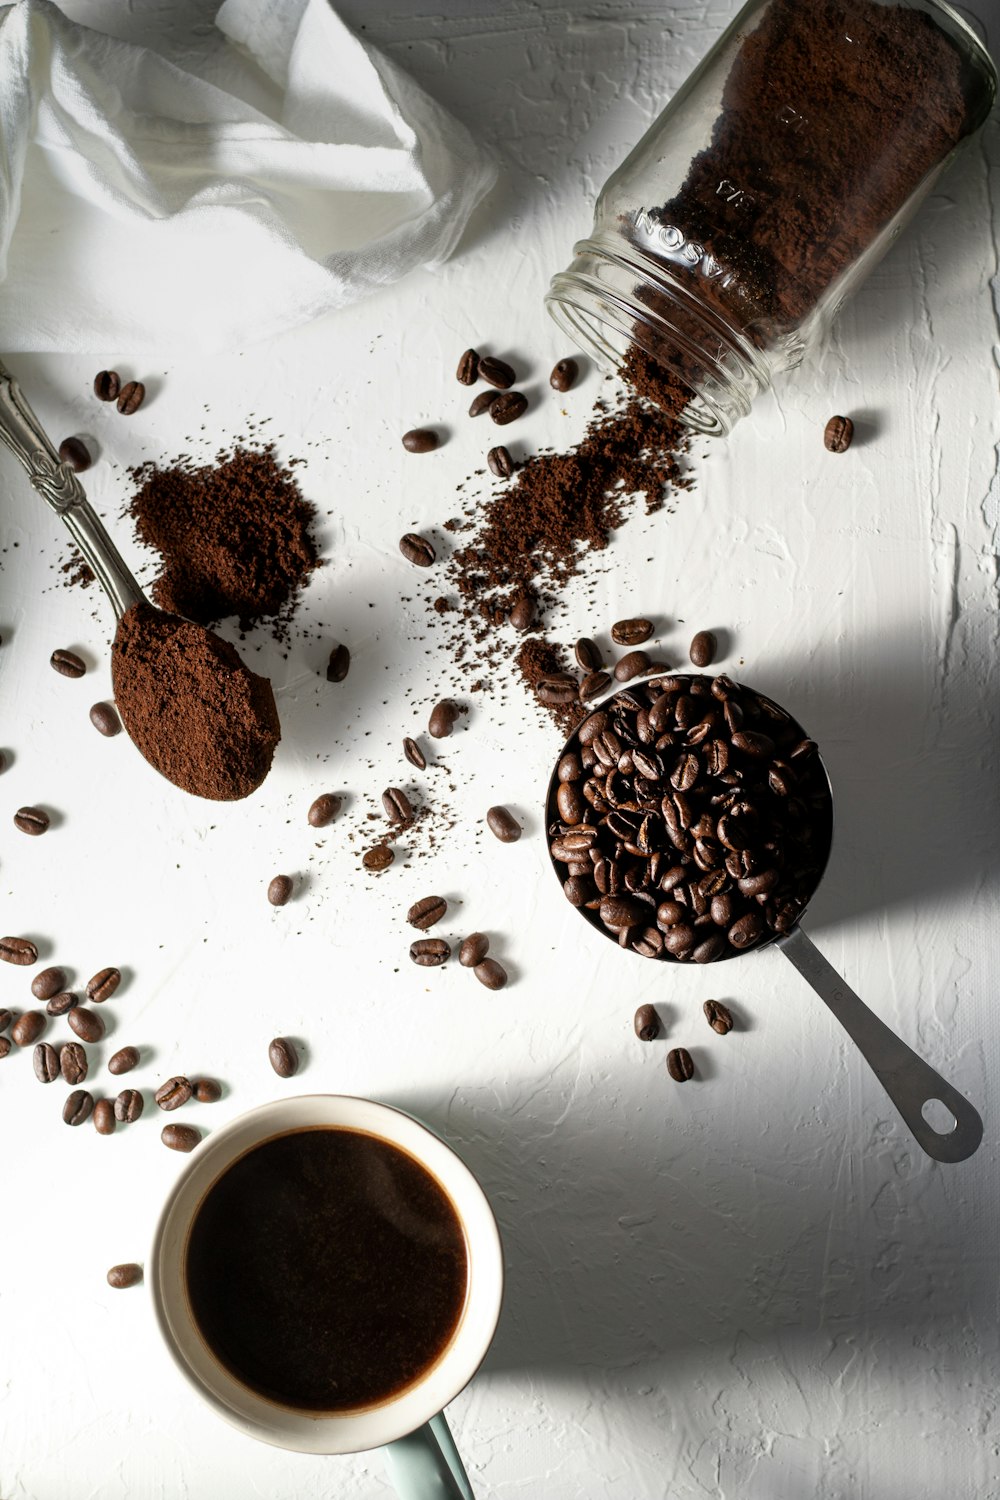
(442, 719)
(72, 1062)
(838, 434)
(490, 973)
(718, 1016)
(473, 950)
(508, 407)
(103, 985)
(496, 372)
(482, 402)
(522, 616)
(107, 384)
(468, 368)
(31, 820)
(631, 632)
(414, 754)
(557, 688)
(634, 664)
(4, 1046)
(279, 890)
(680, 1065)
(123, 1061)
(79, 1106)
(48, 982)
(126, 1275)
(74, 454)
(647, 1023)
(283, 1057)
(16, 950)
(339, 664)
(175, 1092)
(27, 1028)
(130, 397)
(68, 664)
(128, 1106)
(207, 1091)
(324, 810)
(425, 912)
(180, 1137)
(503, 825)
(702, 648)
(417, 550)
(396, 805)
(377, 859)
(105, 720)
(46, 1063)
(430, 952)
(104, 1117)
(500, 462)
(588, 655)
(6, 1016)
(594, 684)
(420, 440)
(60, 1004)
(564, 374)
(88, 1024)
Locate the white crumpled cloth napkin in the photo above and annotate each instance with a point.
(142, 206)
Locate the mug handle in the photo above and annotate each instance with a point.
(425, 1465)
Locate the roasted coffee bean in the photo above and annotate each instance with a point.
(680, 1065)
(838, 434)
(569, 767)
(397, 807)
(503, 825)
(421, 440)
(702, 648)
(594, 684)
(103, 985)
(508, 407)
(46, 1063)
(107, 384)
(175, 1092)
(123, 1276)
(578, 889)
(4, 1046)
(618, 912)
(473, 950)
(323, 810)
(73, 1062)
(130, 397)
(425, 912)
(180, 1137)
(760, 883)
(377, 859)
(79, 1106)
(482, 402)
(490, 973)
(570, 803)
(339, 664)
(588, 655)
(442, 719)
(88, 1024)
(709, 949)
(279, 890)
(722, 909)
(745, 932)
(718, 1016)
(634, 664)
(104, 1117)
(564, 374)
(522, 616)
(128, 1106)
(631, 632)
(48, 982)
(430, 952)
(74, 454)
(679, 940)
(414, 754)
(750, 742)
(27, 1028)
(496, 372)
(417, 550)
(31, 820)
(123, 1061)
(283, 1057)
(468, 368)
(557, 687)
(6, 1016)
(647, 1023)
(207, 1091)
(105, 720)
(500, 462)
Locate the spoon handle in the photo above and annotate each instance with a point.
(59, 487)
(907, 1079)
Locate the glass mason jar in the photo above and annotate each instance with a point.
(726, 242)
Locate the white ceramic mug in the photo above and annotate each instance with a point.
(420, 1453)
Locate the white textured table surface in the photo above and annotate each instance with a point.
(752, 1287)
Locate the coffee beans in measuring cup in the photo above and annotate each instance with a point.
(702, 812)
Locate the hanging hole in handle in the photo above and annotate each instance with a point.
(938, 1116)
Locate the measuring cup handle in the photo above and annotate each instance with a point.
(906, 1078)
(426, 1464)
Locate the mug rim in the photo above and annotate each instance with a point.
(297, 1429)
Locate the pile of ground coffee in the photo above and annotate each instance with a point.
(235, 537)
(191, 707)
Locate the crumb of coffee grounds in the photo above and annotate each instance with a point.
(235, 537)
(537, 658)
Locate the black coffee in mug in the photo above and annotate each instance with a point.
(326, 1269)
